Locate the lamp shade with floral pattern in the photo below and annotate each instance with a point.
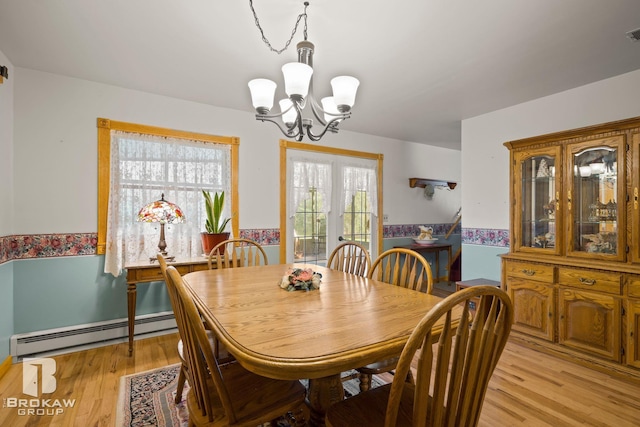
(161, 212)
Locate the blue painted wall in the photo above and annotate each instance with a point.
(56, 292)
(6, 308)
(481, 261)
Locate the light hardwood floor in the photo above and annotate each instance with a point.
(92, 377)
(528, 388)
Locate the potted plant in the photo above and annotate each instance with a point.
(214, 225)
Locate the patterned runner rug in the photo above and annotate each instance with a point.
(147, 398)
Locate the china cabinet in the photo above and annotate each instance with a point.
(573, 271)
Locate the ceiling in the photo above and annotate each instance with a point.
(423, 65)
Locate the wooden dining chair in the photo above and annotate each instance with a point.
(172, 298)
(452, 374)
(403, 267)
(350, 257)
(237, 253)
(226, 394)
(180, 321)
(399, 267)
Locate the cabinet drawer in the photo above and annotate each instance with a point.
(526, 270)
(601, 281)
(200, 267)
(153, 274)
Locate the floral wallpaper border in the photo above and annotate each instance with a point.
(413, 230)
(77, 244)
(47, 245)
(486, 237)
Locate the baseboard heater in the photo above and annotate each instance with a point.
(33, 343)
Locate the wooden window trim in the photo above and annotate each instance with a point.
(290, 145)
(105, 126)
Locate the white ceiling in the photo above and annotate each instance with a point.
(423, 65)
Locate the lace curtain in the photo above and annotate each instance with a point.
(360, 177)
(306, 174)
(357, 175)
(143, 167)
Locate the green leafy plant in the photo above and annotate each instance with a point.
(214, 206)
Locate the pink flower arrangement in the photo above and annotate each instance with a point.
(296, 279)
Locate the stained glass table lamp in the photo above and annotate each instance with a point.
(161, 212)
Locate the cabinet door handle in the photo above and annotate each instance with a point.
(557, 201)
(589, 282)
(569, 200)
(635, 198)
(529, 272)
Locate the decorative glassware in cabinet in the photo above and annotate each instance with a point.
(539, 202)
(593, 201)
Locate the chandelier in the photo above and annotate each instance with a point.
(299, 89)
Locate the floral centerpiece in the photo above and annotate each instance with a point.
(300, 279)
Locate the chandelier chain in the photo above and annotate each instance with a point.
(293, 32)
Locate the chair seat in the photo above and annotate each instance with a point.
(246, 392)
(369, 409)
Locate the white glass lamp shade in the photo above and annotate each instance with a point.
(262, 93)
(290, 117)
(585, 170)
(597, 168)
(296, 78)
(329, 106)
(344, 91)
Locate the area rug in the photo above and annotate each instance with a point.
(148, 398)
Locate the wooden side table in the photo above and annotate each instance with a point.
(475, 282)
(435, 249)
(146, 272)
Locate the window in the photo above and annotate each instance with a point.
(359, 202)
(137, 164)
(311, 187)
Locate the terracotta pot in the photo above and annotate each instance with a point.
(210, 240)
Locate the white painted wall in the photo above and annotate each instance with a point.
(6, 205)
(485, 161)
(6, 149)
(56, 155)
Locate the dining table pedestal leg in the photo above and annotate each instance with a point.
(323, 392)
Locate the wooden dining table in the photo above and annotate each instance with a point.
(349, 322)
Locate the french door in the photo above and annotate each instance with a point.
(328, 196)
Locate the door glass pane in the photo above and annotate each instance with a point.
(310, 230)
(538, 225)
(357, 220)
(595, 201)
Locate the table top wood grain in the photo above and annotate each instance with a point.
(349, 322)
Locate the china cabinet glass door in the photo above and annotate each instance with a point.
(635, 199)
(593, 199)
(537, 194)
